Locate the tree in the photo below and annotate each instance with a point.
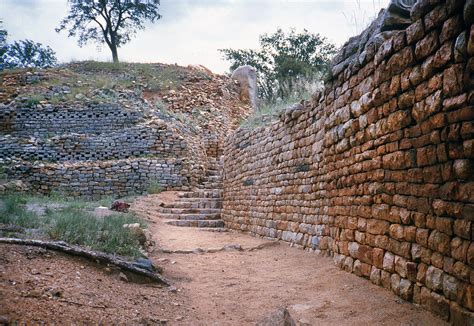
(285, 63)
(3, 45)
(112, 22)
(26, 53)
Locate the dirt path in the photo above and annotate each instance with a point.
(227, 287)
(233, 287)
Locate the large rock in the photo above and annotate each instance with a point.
(281, 317)
(362, 48)
(247, 77)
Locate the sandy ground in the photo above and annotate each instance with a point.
(222, 288)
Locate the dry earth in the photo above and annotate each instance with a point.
(229, 287)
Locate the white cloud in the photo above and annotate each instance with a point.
(191, 31)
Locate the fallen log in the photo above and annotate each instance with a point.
(89, 254)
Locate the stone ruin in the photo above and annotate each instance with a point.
(94, 151)
(377, 171)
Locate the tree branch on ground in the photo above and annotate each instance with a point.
(89, 254)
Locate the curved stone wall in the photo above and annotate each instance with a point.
(377, 172)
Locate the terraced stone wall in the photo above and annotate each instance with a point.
(96, 151)
(378, 171)
(46, 122)
(103, 178)
(143, 140)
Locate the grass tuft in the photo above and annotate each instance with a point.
(13, 211)
(71, 220)
(154, 187)
(76, 226)
(269, 111)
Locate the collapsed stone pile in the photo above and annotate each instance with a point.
(377, 171)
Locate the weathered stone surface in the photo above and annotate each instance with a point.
(427, 45)
(434, 278)
(281, 317)
(435, 302)
(415, 32)
(460, 316)
(247, 77)
(389, 262)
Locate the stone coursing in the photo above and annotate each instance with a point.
(377, 172)
(96, 151)
(104, 178)
(46, 122)
(151, 139)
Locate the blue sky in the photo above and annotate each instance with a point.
(191, 31)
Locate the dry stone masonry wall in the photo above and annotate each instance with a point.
(45, 122)
(104, 178)
(377, 172)
(95, 151)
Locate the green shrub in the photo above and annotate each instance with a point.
(13, 211)
(154, 187)
(34, 99)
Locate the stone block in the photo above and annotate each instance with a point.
(388, 263)
(377, 226)
(460, 316)
(427, 45)
(375, 276)
(435, 303)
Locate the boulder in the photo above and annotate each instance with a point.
(281, 317)
(120, 206)
(247, 78)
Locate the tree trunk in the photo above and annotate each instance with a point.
(113, 48)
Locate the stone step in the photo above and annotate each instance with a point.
(191, 217)
(213, 178)
(176, 210)
(203, 194)
(195, 199)
(198, 223)
(217, 203)
(206, 186)
(214, 229)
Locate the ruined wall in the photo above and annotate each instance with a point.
(104, 178)
(378, 172)
(96, 151)
(137, 141)
(46, 122)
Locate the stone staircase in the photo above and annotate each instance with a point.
(200, 207)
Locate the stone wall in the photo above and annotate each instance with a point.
(378, 171)
(46, 122)
(137, 141)
(96, 151)
(104, 178)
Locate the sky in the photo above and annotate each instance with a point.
(192, 31)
